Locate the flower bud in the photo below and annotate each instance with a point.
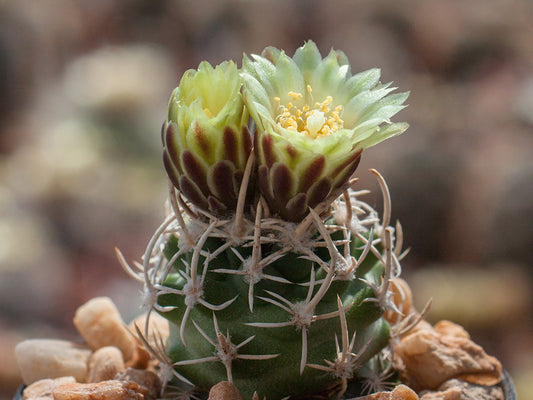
(206, 138)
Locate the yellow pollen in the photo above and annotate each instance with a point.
(208, 112)
(295, 95)
(314, 121)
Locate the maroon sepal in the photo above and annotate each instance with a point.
(220, 180)
(192, 193)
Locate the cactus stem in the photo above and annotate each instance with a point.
(303, 312)
(252, 271)
(328, 245)
(345, 363)
(193, 295)
(225, 350)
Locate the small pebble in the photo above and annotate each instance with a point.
(224, 391)
(42, 390)
(148, 381)
(105, 364)
(400, 392)
(456, 389)
(48, 358)
(106, 390)
(100, 324)
(433, 356)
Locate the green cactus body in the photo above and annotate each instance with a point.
(280, 375)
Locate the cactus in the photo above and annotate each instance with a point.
(270, 270)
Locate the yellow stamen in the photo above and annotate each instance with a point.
(295, 95)
(314, 121)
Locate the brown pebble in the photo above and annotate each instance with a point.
(100, 324)
(433, 356)
(43, 389)
(224, 391)
(105, 363)
(456, 389)
(148, 381)
(106, 390)
(400, 392)
(448, 328)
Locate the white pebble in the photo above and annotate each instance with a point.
(48, 358)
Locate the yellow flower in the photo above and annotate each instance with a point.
(314, 119)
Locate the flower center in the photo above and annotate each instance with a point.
(316, 121)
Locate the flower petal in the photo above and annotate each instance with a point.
(288, 78)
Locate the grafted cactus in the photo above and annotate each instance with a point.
(273, 274)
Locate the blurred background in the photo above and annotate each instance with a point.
(83, 93)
